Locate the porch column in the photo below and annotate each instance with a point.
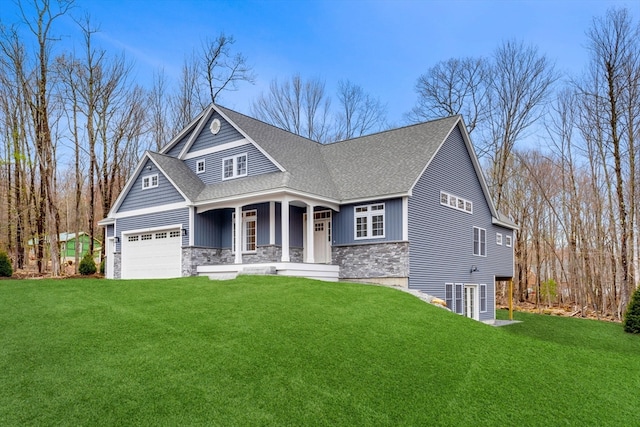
(310, 232)
(238, 236)
(284, 229)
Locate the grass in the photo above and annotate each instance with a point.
(284, 351)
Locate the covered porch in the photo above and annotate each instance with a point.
(274, 235)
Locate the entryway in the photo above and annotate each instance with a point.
(321, 237)
(471, 301)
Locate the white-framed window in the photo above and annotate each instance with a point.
(499, 239)
(149, 181)
(479, 241)
(448, 295)
(483, 298)
(507, 241)
(234, 166)
(455, 202)
(369, 221)
(200, 166)
(249, 231)
(458, 304)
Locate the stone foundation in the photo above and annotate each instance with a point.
(117, 265)
(382, 263)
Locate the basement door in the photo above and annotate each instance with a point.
(471, 301)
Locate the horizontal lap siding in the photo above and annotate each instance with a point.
(441, 238)
(176, 149)
(137, 198)
(343, 223)
(257, 163)
(206, 139)
(154, 220)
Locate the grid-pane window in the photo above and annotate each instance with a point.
(479, 241)
(459, 308)
(369, 221)
(149, 181)
(456, 202)
(249, 231)
(234, 167)
(448, 295)
(483, 298)
(200, 166)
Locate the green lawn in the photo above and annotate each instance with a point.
(285, 351)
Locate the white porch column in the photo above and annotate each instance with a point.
(310, 234)
(238, 236)
(272, 223)
(284, 229)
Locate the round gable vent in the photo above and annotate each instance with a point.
(215, 126)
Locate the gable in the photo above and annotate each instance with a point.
(139, 198)
(206, 139)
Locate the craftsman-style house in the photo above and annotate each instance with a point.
(231, 194)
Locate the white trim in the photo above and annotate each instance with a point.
(369, 214)
(284, 229)
(456, 202)
(480, 230)
(234, 161)
(243, 133)
(246, 218)
(486, 298)
(196, 133)
(405, 219)
(508, 241)
(499, 239)
(204, 166)
(153, 209)
(192, 221)
(265, 196)
(272, 222)
(153, 230)
(217, 148)
(149, 180)
(183, 132)
(372, 199)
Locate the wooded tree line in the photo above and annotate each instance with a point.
(559, 151)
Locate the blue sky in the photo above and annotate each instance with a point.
(382, 46)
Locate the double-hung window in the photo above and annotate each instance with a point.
(249, 231)
(234, 166)
(369, 221)
(479, 241)
(149, 181)
(200, 166)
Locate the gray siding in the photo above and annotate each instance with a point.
(109, 230)
(206, 139)
(441, 238)
(177, 148)
(257, 163)
(214, 229)
(137, 198)
(157, 219)
(207, 229)
(343, 223)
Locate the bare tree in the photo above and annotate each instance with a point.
(300, 107)
(358, 112)
(455, 86)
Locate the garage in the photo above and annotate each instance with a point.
(152, 255)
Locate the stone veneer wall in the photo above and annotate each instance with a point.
(374, 262)
(193, 256)
(117, 266)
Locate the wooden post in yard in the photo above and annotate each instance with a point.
(511, 298)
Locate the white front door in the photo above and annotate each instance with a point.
(471, 301)
(322, 241)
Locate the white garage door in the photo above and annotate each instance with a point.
(152, 255)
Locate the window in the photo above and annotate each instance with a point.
(483, 298)
(479, 241)
(146, 236)
(448, 295)
(173, 234)
(499, 239)
(200, 166)
(234, 167)
(249, 231)
(162, 235)
(369, 221)
(458, 307)
(456, 202)
(149, 181)
(508, 241)
(133, 238)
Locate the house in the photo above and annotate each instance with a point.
(407, 207)
(67, 242)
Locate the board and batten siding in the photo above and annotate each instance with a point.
(206, 139)
(257, 163)
(344, 229)
(441, 238)
(137, 198)
(214, 229)
(152, 221)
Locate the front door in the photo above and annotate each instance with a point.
(322, 241)
(471, 301)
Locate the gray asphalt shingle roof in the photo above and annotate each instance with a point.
(385, 163)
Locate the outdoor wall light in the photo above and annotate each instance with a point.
(184, 232)
(474, 268)
(117, 239)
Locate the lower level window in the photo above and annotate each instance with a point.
(369, 221)
(249, 231)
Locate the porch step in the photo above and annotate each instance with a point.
(261, 271)
(222, 276)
